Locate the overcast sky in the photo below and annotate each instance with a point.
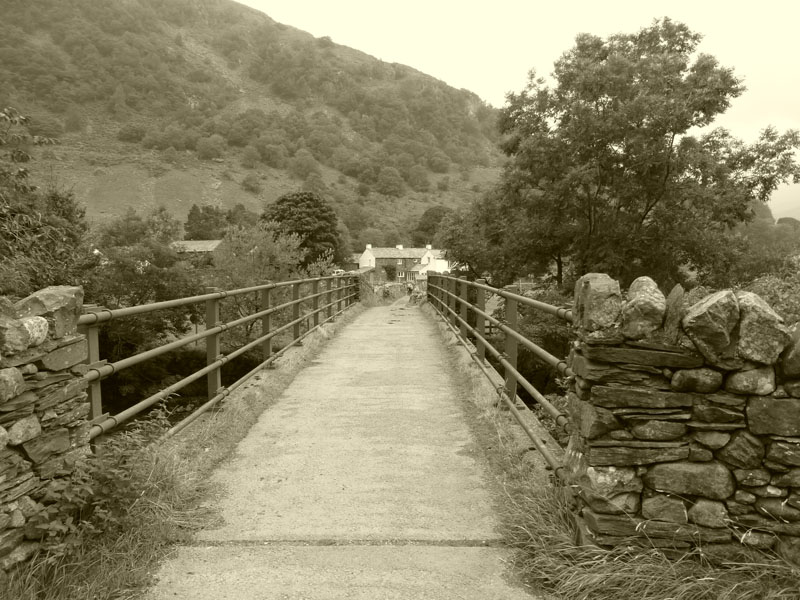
(489, 47)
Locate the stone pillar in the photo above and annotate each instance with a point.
(43, 409)
(687, 420)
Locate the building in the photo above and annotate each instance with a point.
(410, 264)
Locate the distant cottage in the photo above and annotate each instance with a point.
(410, 264)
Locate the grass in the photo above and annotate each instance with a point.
(536, 520)
(150, 495)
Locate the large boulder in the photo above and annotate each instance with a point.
(60, 304)
(762, 334)
(597, 307)
(644, 312)
(711, 325)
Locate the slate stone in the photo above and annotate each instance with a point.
(636, 356)
(766, 491)
(618, 397)
(716, 414)
(712, 439)
(25, 399)
(61, 305)
(709, 479)
(737, 508)
(627, 526)
(788, 549)
(723, 399)
(789, 479)
(598, 372)
(658, 430)
(755, 382)
(621, 504)
(779, 416)
(745, 497)
(10, 539)
(12, 383)
(752, 476)
(703, 380)
(644, 311)
(766, 523)
(3, 437)
(790, 358)
(792, 388)
(41, 448)
(709, 513)
(744, 451)
(673, 314)
(757, 539)
(703, 426)
(597, 307)
(762, 334)
(14, 336)
(777, 509)
(610, 481)
(664, 508)
(698, 453)
(66, 356)
(711, 325)
(24, 430)
(622, 456)
(620, 435)
(591, 421)
(37, 328)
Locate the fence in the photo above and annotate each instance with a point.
(304, 311)
(450, 296)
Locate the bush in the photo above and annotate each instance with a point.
(131, 133)
(211, 147)
(251, 183)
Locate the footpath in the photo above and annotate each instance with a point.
(362, 482)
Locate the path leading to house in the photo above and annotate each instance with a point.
(362, 482)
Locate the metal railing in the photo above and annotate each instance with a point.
(449, 296)
(307, 315)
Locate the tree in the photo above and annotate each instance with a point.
(604, 172)
(428, 225)
(309, 216)
(390, 183)
(205, 223)
(211, 147)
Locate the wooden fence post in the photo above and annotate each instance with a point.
(480, 320)
(511, 347)
(214, 377)
(92, 333)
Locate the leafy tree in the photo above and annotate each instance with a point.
(390, 183)
(428, 225)
(205, 223)
(309, 216)
(303, 164)
(251, 183)
(239, 216)
(605, 172)
(212, 146)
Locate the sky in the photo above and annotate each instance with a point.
(489, 47)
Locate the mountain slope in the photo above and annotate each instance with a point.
(176, 102)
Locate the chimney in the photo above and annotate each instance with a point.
(369, 246)
(428, 247)
(399, 246)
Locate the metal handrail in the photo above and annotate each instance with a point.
(441, 298)
(338, 299)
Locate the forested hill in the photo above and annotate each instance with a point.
(177, 102)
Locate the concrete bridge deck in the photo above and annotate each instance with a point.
(364, 481)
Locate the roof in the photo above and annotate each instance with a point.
(420, 267)
(184, 246)
(397, 252)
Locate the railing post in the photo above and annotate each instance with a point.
(296, 310)
(511, 347)
(214, 377)
(480, 320)
(451, 299)
(464, 295)
(315, 301)
(92, 333)
(266, 323)
(339, 294)
(328, 298)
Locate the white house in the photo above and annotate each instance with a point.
(410, 263)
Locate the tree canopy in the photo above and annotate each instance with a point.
(612, 168)
(310, 217)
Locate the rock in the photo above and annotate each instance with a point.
(726, 399)
(620, 434)
(37, 328)
(790, 479)
(19, 554)
(737, 509)
(638, 356)
(61, 305)
(777, 509)
(658, 430)
(66, 356)
(24, 430)
(628, 526)
(752, 476)
(644, 312)
(710, 479)
(757, 539)
(610, 481)
(711, 325)
(792, 388)
(41, 448)
(698, 453)
(624, 456)
(14, 336)
(630, 375)
(712, 439)
(784, 453)
(744, 451)
(704, 380)
(788, 548)
(780, 392)
(12, 383)
(777, 416)
(767, 491)
(9, 539)
(621, 504)
(662, 507)
(591, 421)
(620, 397)
(673, 314)
(7, 309)
(745, 497)
(709, 513)
(790, 358)
(709, 413)
(597, 307)
(3, 437)
(756, 382)
(762, 334)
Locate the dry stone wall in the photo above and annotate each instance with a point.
(686, 413)
(43, 410)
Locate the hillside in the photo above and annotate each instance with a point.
(181, 102)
